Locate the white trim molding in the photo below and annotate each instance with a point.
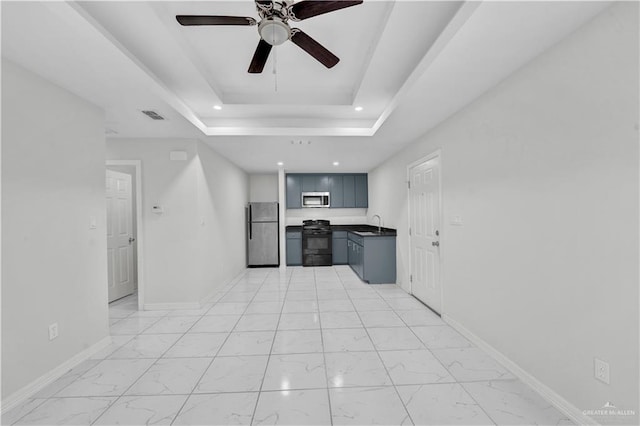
(171, 306)
(570, 410)
(140, 240)
(437, 153)
(212, 294)
(46, 379)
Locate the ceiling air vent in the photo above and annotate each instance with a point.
(154, 115)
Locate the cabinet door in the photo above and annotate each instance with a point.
(362, 191)
(340, 251)
(351, 254)
(322, 183)
(294, 251)
(360, 257)
(294, 192)
(349, 191)
(337, 191)
(309, 183)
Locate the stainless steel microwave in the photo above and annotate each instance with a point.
(315, 199)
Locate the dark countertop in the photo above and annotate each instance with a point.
(362, 230)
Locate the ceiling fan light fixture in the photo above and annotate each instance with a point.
(274, 31)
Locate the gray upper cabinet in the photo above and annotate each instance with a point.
(362, 191)
(349, 190)
(309, 183)
(346, 190)
(294, 191)
(336, 190)
(315, 183)
(322, 183)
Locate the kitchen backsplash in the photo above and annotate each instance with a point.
(335, 216)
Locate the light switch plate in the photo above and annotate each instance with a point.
(601, 370)
(53, 331)
(457, 220)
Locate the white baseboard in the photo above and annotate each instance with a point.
(41, 382)
(170, 306)
(190, 305)
(215, 291)
(547, 393)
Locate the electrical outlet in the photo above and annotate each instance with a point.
(601, 370)
(53, 331)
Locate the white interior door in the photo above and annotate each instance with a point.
(119, 235)
(424, 212)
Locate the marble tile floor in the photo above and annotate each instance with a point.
(312, 346)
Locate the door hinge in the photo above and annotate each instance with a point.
(409, 184)
(409, 231)
(411, 278)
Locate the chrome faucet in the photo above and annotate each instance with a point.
(379, 222)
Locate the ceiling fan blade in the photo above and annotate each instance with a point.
(265, 5)
(310, 8)
(214, 20)
(260, 57)
(313, 48)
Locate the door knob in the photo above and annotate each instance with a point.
(131, 239)
(435, 243)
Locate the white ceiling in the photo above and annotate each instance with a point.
(409, 64)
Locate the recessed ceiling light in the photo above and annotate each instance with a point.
(280, 163)
(358, 108)
(217, 107)
(335, 163)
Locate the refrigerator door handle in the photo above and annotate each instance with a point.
(250, 223)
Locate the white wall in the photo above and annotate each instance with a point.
(53, 266)
(335, 216)
(223, 195)
(544, 171)
(263, 188)
(185, 260)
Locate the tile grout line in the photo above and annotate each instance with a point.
(161, 357)
(289, 278)
(382, 362)
(440, 363)
(275, 334)
(324, 355)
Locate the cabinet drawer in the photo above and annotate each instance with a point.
(339, 234)
(294, 235)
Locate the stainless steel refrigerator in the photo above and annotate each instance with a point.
(263, 246)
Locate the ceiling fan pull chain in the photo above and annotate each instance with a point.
(275, 69)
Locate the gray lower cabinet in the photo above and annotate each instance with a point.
(294, 248)
(339, 249)
(373, 259)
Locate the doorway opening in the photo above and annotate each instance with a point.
(125, 231)
(425, 216)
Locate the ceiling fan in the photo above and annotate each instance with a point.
(274, 28)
